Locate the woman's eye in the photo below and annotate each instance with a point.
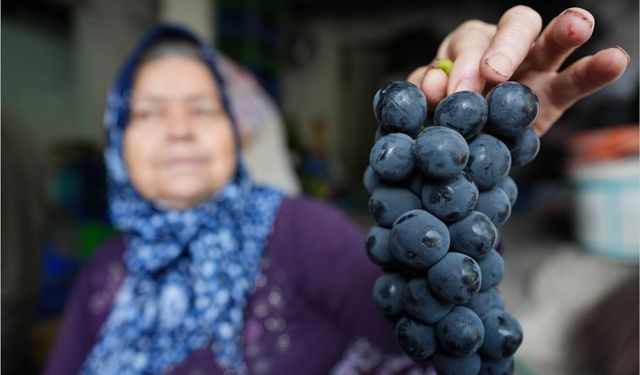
(205, 111)
(143, 114)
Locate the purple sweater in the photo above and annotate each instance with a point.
(310, 312)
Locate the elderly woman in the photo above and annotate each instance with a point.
(214, 274)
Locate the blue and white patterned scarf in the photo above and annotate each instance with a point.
(189, 272)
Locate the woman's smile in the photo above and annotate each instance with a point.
(184, 163)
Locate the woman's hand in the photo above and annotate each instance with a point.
(515, 49)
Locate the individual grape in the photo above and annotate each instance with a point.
(377, 246)
(440, 153)
(400, 107)
(496, 366)
(509, 186)
(503, 334)
(391, 157)
(495, 204)
(452, 365)
(452, 199)
(523, 147)
(492, 269)
(464, 111)
(513, 107)
(498, 301)
(421, 304)
(455, 278)
(419, 239)
(387, 203)
(415, 183)
(370, 179)
(388, 293)
(416, 339)
(460, 332)
(481, 303)
(511, 367)
(489, 161)
(474, 235)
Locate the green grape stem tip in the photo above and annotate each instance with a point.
(445, 65)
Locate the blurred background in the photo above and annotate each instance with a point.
(572, 243)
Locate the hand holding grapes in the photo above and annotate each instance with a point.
(516, 49)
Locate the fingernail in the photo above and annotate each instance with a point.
(500, 64)
(625, 53)
(464, 85)
(579, 14)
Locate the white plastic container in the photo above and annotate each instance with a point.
(608, 208)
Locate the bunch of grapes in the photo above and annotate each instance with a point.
(439, 189)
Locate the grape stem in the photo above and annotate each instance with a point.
(445, 65)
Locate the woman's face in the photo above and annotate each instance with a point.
(178, 144)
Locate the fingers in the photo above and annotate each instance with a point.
(587, 75)
(517, 30)
(560, 38)
(583, 77)
(432, 82)
(434, 86)
(417, 75)
(466, 47)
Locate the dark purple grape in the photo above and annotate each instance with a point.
(524, 147)
(456, 278)
(388, 293)
(498, 301)
(400, 107)
(378, 247)
(453, 365)
(503, 334)
(460, 332)
(489, 161)
(416, 339)
(509, 186)
(440, 153)
(391, 157)
(421, 304)
(492, 268)
(511, 367)
(513, 107)
(370, 179)
(497, 366)
(419, 239)
(415, 183)
(495, 204)
(464, 111)
(481, 303)
(387, 203)
(474, 235)
(452, 199)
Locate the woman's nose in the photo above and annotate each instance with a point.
(180, 125)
